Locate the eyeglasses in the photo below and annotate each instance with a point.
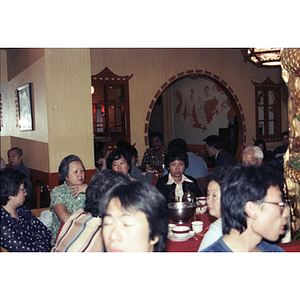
(282, 205)
(23, 190)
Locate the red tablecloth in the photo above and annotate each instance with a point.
(291, 246)
(191, 245)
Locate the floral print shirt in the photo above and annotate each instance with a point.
(61, 194)
(154, 159)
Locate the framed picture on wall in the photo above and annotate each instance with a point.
(25, 107)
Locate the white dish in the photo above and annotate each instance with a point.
(180, 239)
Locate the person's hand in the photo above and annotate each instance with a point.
(78, 189)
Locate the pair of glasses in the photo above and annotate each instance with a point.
(282, 205)
(23, 190)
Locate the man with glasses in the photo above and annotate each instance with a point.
(254, 212)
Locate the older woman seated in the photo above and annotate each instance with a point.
(82, 231)
(176, 183)
(215, 180)
(21, 231)
(70, 195)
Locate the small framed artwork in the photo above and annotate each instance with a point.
(25, 107)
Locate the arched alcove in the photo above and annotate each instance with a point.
(220, 84)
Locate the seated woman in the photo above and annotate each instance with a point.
(176, 183)
(21, 231)
(82, 231)
(215, 180)
(119, 161)
(70, 195)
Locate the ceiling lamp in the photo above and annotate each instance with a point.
(262, 57)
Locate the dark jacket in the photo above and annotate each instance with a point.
(169, 190)
(224, 159)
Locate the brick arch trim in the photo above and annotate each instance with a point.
(232, 96)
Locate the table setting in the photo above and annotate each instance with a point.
(189, 221)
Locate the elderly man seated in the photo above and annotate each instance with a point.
(254, 211)
(135, 218)
(252, 156)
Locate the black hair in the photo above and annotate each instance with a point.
(218, 174)
(99, 150)
(176, 155)
(116, 155)
(244, 184)
(215, 141)
(63, 170)
(261, 141)
(19, 150)
(11, 181)
(285, 133)
(131, 150)
(143, 197)
(155, 134)
(177, 144)
(99, 184)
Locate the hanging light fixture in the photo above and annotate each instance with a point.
(262, 57)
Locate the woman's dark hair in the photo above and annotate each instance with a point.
(176, 155)
(131, 150)
(218, 174)
(11, 180)
(177, 144)
(143, 197)
(63, 170)
(99, 184)
(116, 155)
(244, 184)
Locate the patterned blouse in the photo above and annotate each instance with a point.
(154, 159)
(20, 235)
(61, 194)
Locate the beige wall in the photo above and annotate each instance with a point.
(62, 106)
(151, 68)
(62, 102)
(69, 105)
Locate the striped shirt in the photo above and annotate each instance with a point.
(80, 233)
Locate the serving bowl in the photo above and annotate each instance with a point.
(181, 231)
(181, 212)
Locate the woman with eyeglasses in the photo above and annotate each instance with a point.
(21, 231)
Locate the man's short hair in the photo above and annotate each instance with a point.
(19, 150)
(99, 184)
(139, 196)
(215, 141)
(258, 154)
(245, 184)
(155, 134)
